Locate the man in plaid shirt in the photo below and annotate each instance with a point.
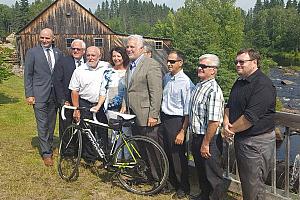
(205, 118)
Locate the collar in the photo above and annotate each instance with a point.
(45, 49)
(206, 81)
(251, 77)
(178, 74)
(137, 60)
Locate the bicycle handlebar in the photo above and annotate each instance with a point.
(77, 108)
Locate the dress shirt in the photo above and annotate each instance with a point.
(51, 56)
(77, 62)
(207, 104)
(255, 98)
(87, 81)
(176, 94)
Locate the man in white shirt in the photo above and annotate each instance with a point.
(85, 85)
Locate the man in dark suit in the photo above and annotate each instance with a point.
(62, 74)
(39, 90)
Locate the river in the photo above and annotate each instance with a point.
(289, 94)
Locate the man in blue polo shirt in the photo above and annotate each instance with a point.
(174, 116)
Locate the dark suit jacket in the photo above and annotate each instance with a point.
(37, 74)
(62, 74)
(144, 90)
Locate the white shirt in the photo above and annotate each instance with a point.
(87, 81)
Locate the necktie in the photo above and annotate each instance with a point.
(78, 63)
(49, 59)
(132, 65)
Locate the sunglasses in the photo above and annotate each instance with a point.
(242, 62)
(202, 66)
(172, 61)
(78, 49)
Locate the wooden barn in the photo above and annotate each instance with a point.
(70, 20)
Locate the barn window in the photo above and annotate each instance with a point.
(158, 45)
(69, 42)
(98, 42)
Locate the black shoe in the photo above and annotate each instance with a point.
(180, 194)
(167, 190)
(199, 197)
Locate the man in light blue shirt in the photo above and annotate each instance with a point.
(175, 105)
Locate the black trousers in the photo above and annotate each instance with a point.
(89, 153)
(149, 153)
(178, 162)
(210, 171)
(254, 157)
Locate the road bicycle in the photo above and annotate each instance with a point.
(143, 170)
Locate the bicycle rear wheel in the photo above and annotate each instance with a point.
(143, 165)
(70, 153)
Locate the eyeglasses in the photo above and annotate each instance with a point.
(78, 49)
(172, 61)
(242, 62)
(202, 66)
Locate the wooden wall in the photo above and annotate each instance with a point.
(68, 19)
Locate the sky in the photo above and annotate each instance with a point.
(244, 4)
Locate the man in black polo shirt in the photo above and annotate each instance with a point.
(249, 117)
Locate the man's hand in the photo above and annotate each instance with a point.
(30, 100)
(76, 115)
(227, 133)
(152, 122)
(180, 137)
(204, 150)
(67, 103)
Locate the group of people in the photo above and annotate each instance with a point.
(166, 105)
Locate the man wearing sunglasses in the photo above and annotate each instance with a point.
(176, 97)
(62, 74)
(205, 118)
(249, 118)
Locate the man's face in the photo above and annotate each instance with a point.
(92, 56)
(133, 49)
(77, 50)
(205, 70)
(174, 64)
(244, 65)
(46, 38)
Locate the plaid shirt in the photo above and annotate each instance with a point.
(206, 104)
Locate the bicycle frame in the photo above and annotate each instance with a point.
(84, 126)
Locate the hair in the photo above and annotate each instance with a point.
(214, 60)
(123, 53)
(138, 38)
(179, 54)
(253, 54)
(148, 49)
(83, 45)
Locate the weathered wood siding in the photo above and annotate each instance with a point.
(68, 19)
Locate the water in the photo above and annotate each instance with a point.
(289, 95)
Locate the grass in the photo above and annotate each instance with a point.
(23, 175)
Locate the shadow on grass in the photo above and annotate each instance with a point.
(35, 144)
(4, 99)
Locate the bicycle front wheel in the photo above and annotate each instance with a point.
(70, 153)
(143, 165)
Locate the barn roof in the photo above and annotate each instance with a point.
(55, 2)
(86, 10)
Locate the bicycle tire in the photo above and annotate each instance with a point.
(136, 174)
(69, 155)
